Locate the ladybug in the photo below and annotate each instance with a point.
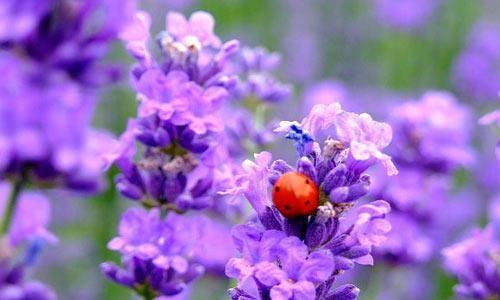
(295, 195)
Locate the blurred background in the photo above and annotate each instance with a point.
(370, 52)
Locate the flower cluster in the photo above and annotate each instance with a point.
(421, 127)
(44, 129)
(255, 67)
(52, 59)
(157, 253)
(475, 262)
(421, 191)
(28, 231)
(475, 71)
(52, 55)
(177, 126)
(301, 257)
(66, 36)
(171, 156)
(255, 93)
(405, 15)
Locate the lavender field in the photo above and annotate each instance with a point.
(249, 149)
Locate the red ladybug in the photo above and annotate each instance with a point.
(295, 195)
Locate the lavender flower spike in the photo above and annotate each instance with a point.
(475, 262)
(157, 254)
(302, 257)
(178, 122)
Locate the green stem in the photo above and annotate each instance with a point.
(11, 205)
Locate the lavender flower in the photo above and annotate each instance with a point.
(405, 15)
(44, 129)
(300, 258)
(255, 66)
(213, 250)
(67, 36)
(325, 92)
(177, 126)
(52, 64)
(424, 137)
(30, 220)
(475, 70)
(189, 46)
(427, 147)
(28, 231)
(475, 262)
(13, 285)
(256, 93)
(157, 254)
(20, 18)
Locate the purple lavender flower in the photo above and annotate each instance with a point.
(301, 42)
(405, 15)
(213, 250)
(178, 123)
(13, 285)
(325, 92)
(475, 262)
(28, 231)
(44, 128)
(427, 147)
(275, 265)
(301, 258)
(157, 254)
(255, 94)
(424, 137)
(476, 70)
(255, 66)
(20, 18)
(69, 36)
(30, 220)
(189, 46)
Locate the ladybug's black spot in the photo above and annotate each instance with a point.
(307, 203)
(287, 207)
(307, 181)
(277, 189)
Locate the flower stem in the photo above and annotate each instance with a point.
(11, 205)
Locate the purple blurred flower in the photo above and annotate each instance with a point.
(301, 42)
(407, 242)
(69, 36)
(31, 218)
(29, 232)
(214, 247)
(405, 15)
(476, 71)
(19, 18)
(255, 66)
(474, 262)
(312, 250)
(424, 137)
(14, 286)
(325, 92)
(256, 93)
(157, 254)
(44, 128)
